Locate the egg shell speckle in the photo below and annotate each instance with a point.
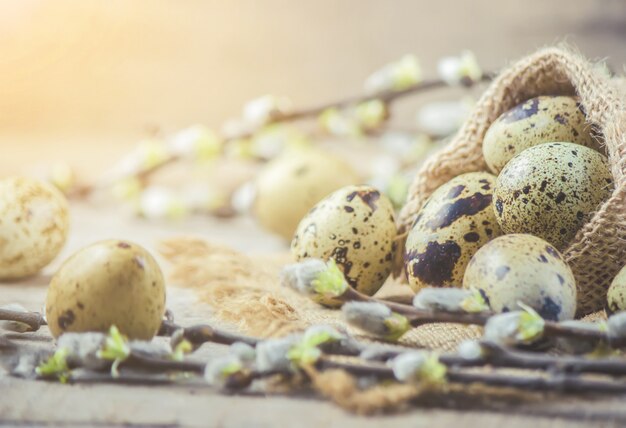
(34, 223)
(452, 225)
(355, 226)
(550, 191)
(108, 283)
(539, 120)
(616, 295)
(289, 186)
(523, 268)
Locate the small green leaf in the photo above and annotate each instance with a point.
(474, 303)
(56, 365)
(334, 122)
(396, 325)
(307, 350)
(316, 336)
(433, 371)
(331, 282)
(397, 190)
(115, 349)
(231, 368)
(371, 113)
(531, 324)
(303, 353)
(183, 347)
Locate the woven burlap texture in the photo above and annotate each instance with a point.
(599, 249)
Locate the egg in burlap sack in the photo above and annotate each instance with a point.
(598, 250)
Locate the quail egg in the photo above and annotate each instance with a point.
(34, 222)
(108, 283)
(550, 190)
(453, 224)
(354, 226)
(616, 296)
(291, 184)
(539, 120)
(523, 268)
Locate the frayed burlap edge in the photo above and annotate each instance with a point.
(599, 249)
(245, 291)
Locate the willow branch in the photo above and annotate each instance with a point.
(384, 96)
(417, 316)
(560, 383)
(202, 333)
(34, 320)
(387, 97)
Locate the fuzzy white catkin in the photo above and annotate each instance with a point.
(503, 328)
(185, 142)
(214, 370)
(243, 198)
(245, 352)
(299, 276)
(272, 354)
(318, 329)
(83, 348)
(368, 316)
(441, 299)
(470, 350)
(617, 326)
(406, 365)
(442, 118)
(16, 326)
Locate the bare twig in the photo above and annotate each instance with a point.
(34, 320)
(199, 334)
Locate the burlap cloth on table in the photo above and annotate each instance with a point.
(599, 249)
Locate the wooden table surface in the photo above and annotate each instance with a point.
(27, 402)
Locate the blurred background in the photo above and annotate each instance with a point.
(81, 80)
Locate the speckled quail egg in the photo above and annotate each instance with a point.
(108, 283)
(291, 184)
(616, 296)
(550, 190)
(354, 226)
(539, 120)
(452, 225)
(34, 222)
(523, 268)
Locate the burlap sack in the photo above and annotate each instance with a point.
(599, 249)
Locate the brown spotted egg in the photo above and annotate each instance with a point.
(107, 283)
(34, 222)
(616, 296)
(355, 226)
(523, 268)
(550, 191)
(452, 225)
(539, 120)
